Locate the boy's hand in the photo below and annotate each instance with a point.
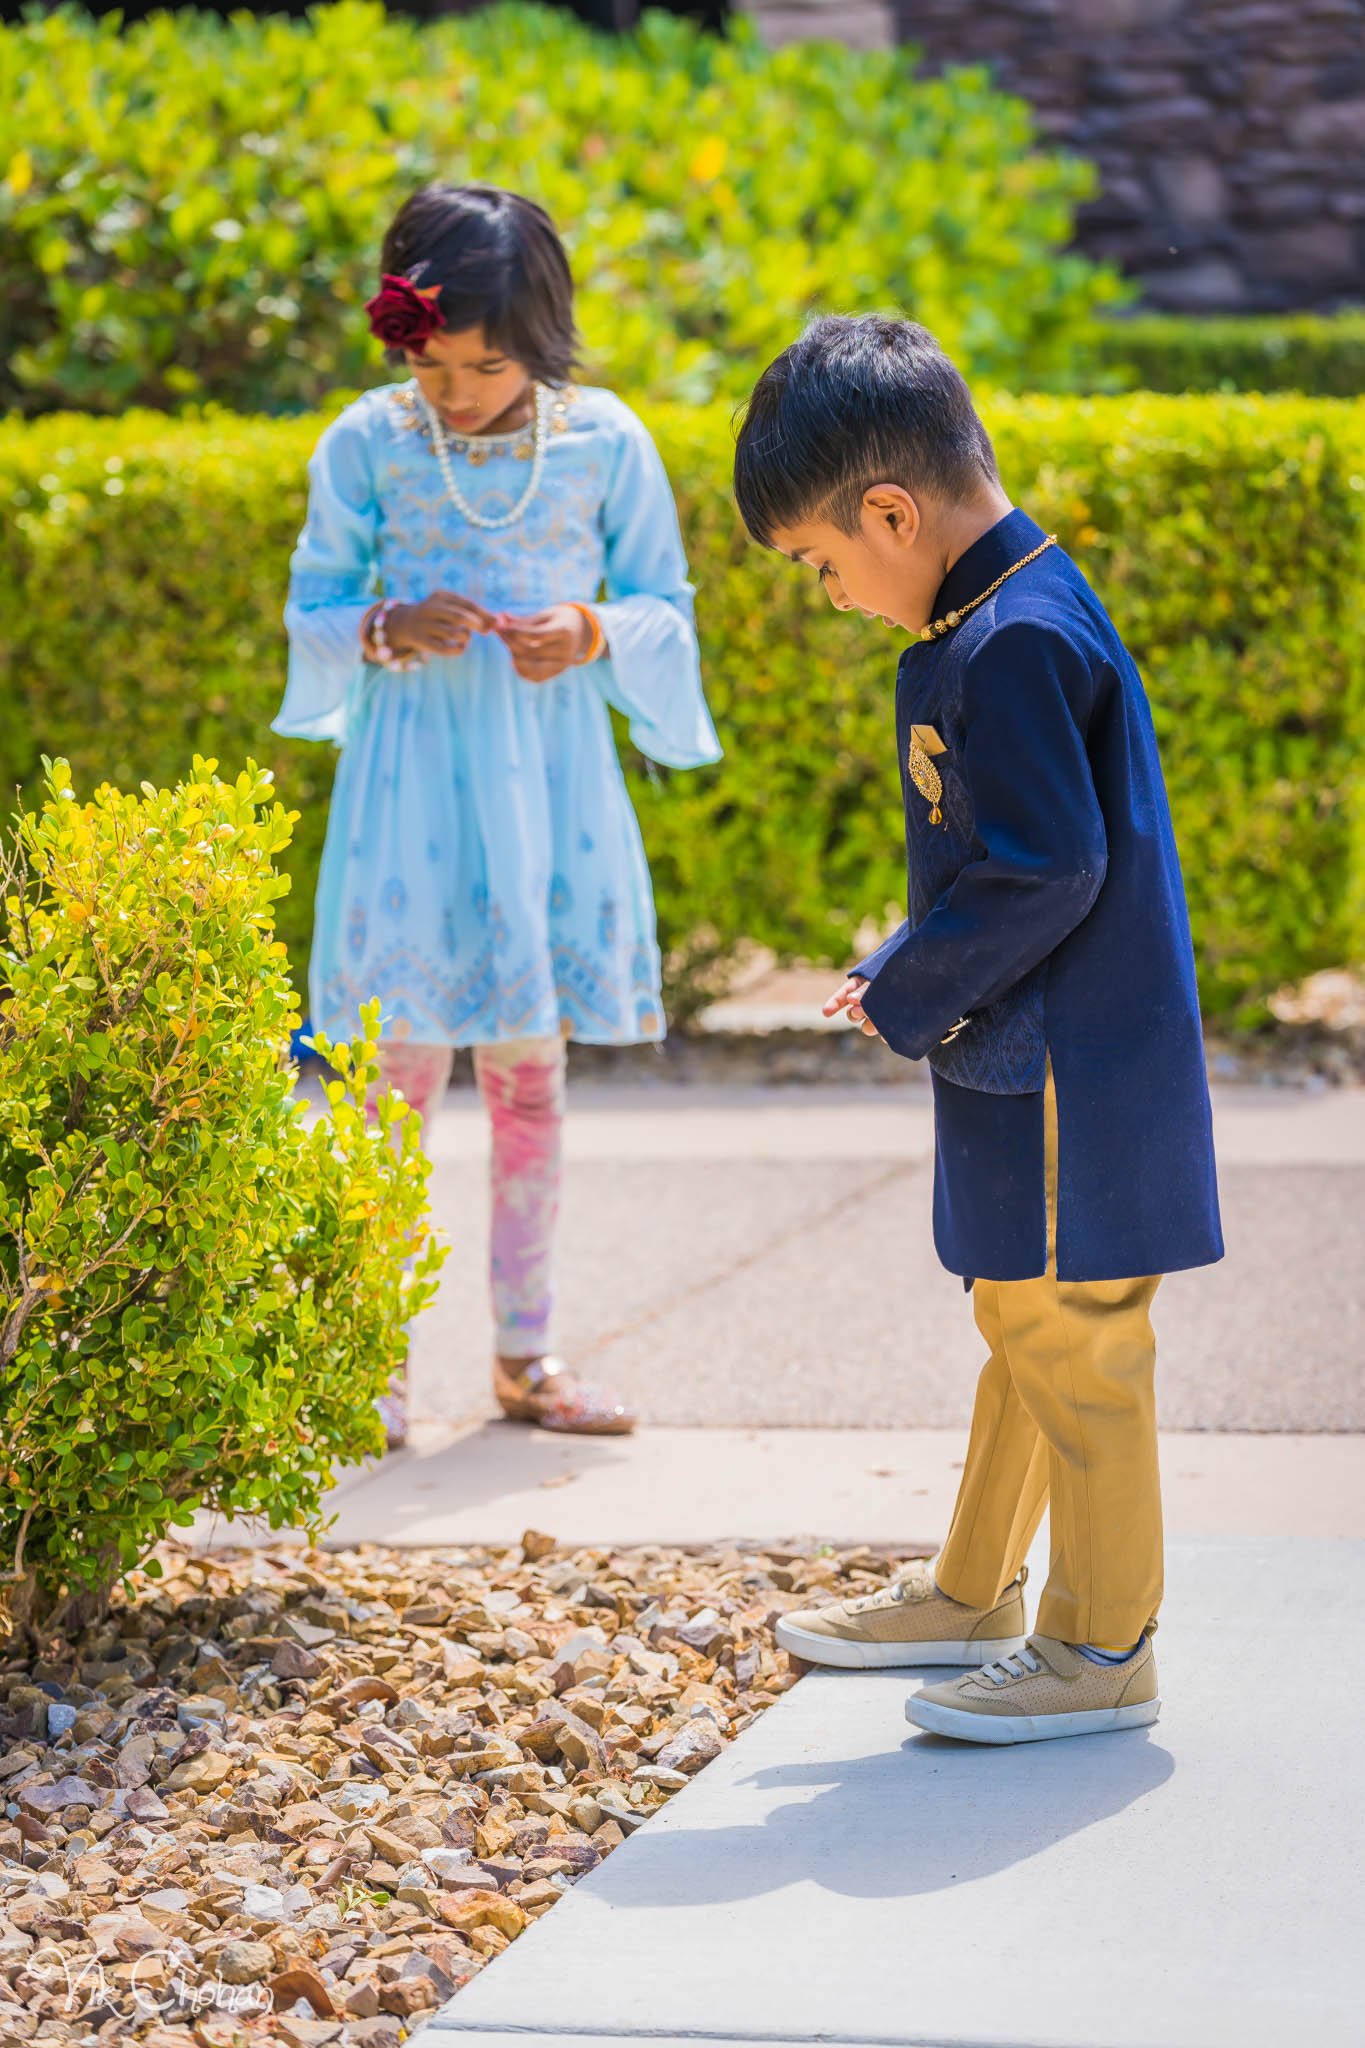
(545, 644)
(845, 997)
(443, 623)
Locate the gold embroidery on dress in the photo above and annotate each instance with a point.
(405, 398)
(478, 449)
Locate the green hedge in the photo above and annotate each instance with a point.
(1321, 355)
(192, 208)
(142, 581)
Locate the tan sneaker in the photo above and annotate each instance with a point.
(909, 1622)
(1047, 1689)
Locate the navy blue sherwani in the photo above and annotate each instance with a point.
(1046, 906)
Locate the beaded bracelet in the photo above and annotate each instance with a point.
(375, 642)
(598, 645)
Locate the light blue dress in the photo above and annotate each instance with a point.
(483, 873)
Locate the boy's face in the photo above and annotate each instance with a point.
(883, 570)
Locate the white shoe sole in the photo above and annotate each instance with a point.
(818, 1649)
(969, 1727)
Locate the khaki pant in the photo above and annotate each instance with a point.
(1065, 1412)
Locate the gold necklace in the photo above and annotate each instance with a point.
(936, 628)
(923, 773)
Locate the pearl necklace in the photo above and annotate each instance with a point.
(456, 495)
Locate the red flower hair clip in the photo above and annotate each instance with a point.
(402, 316)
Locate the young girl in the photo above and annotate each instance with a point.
(483, 872)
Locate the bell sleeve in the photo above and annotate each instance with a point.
(652, 668)
(1043, 847)
(332, 576)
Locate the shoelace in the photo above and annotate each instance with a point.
(911, 1586)
(1021, 1664)
(869, 1602)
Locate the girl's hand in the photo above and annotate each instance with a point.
(547, 643)
(443, 623)
(845, 997)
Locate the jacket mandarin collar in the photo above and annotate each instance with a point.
(1004, 544)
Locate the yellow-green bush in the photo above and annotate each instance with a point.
(201, 1291)
(192, 208)
(1321, 355)
(144, 572)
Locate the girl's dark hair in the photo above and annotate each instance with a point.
(853, 403)
(500, 266)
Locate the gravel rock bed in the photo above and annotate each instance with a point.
(299, 1796)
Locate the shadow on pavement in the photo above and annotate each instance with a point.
(484, 1465)
(929, 1816)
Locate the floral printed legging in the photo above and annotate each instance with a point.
(522, 1084)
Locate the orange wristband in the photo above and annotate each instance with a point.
(598, 646)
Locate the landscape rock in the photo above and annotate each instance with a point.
(462, 1666)
(170, 1901)
(291, 1660)
(695, 1744)
(384, 2032)
(144, 1804)
(202, 1773)
(301, 1980)
(465, 1911)
(362, 2003)
(201, 1710)
(409, 1996)
(61, 1793)
(133, 1765)
(245, 1962)
(580, 1744)
(299, 2032)
(705, 1632)
(658, 1774)
(393, 1817)
(264, 1902)
(124, 1935)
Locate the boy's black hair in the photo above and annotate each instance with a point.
(500, 265)
(853, 403)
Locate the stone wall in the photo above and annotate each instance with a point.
(1229, 134)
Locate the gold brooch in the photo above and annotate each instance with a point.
(924, 743)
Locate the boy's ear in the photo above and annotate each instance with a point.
(892, 509)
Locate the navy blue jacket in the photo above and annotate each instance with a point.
(1046, 906)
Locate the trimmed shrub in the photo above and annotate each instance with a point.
(1321, 355)
(140, 597)
(201, 1291)
(194, 208)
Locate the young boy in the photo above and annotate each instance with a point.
(1045, 972)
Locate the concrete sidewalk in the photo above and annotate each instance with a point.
(735, 1260)
(721, 1247)
(491, 1481)
(837, 1877)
